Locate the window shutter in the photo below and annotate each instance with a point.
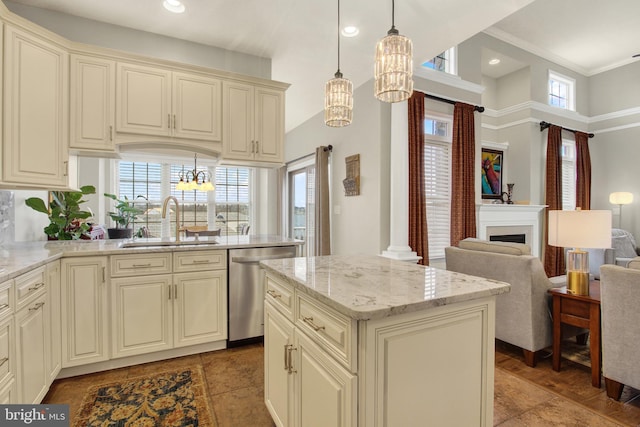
(437, 167)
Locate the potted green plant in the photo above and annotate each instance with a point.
(125, 212)
(66, 219)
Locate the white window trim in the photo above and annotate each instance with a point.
(451, 64)
(571, 92)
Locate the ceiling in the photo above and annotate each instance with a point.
(300, 37)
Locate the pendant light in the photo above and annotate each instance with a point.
(194, 179)
(338, 95)
(394, 65)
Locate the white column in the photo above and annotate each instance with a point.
(399, 193)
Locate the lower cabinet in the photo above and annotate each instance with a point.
(160, 312)
(84, 314)
(54, 325)
(304, 386)
(32, 345)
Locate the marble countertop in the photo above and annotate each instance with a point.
(367, 287)
(22, 257)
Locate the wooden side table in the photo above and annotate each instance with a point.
(583, 312)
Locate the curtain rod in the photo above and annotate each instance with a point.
(545, 125)
(478, 108)
(327, 148)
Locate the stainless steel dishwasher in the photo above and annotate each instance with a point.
(246, 290)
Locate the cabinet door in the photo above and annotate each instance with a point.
(93, 89)
(197, 106)
(84, 311)
(141, 321)
(269, 125)
(200, 307)
(143, 99)
(7, 348)
(35, 111)
(32, 347)
(54, 328)
(237, 117)
(278, 381)
(325, 393)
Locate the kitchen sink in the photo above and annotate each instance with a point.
(152, 243)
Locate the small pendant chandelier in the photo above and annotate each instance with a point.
(394, 65)
(338, 95)
(194, 179)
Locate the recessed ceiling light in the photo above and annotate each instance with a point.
(494, 61)
(174, 6)
(350, 31)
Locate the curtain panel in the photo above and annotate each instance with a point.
(322, 209)
(553, 256)
(583, 172)
(418, 234)
(463, 154)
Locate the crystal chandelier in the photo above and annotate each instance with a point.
(338, 95)
(394, 65)
(194, 179)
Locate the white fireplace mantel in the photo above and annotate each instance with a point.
(527, 217)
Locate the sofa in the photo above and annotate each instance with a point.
(620, 317)
(623, 249)
(523, 315)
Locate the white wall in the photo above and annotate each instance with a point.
(29, 223)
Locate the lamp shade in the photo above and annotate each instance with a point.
(580, 229)
(338, 101)
(393, 70)
(620, 198)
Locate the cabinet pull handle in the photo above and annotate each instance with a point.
(253, 146)
(4, 360)
(142, 265)
(286, 359)
(290, 349)
(175, 291)
(174, 121)
(257, 146)
(37, 306)
(104, 274)
(4, 306)
(274, 294)
(66, 168)
(201, 261)
(169, 286)
(110, 132)
(309, 321)
(169, 121)
(36, 286)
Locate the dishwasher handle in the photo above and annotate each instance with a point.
(258, 258)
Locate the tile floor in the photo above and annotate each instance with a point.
(523, 396)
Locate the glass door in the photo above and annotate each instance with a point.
(302, 207)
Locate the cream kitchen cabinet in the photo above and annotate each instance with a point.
(253, 123)
(84, 307)
(35, 112)
(310, 387)
(92, 103)
(54, 325)
(156, 101)
(7, 344)
(155, 311)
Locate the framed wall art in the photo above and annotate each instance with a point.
(491, 173)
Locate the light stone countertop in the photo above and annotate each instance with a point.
(22, 257)
(367, 287)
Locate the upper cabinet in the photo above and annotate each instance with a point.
(93, 90)
(35, 134)
(156, 101)
(253, 123)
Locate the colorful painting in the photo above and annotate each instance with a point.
(491, 173)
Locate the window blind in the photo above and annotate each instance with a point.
(437, 167)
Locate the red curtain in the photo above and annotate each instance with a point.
(583, 172)
(463, 152)
(553, 255)
(418, 238)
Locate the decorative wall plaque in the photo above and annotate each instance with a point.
(352, 182)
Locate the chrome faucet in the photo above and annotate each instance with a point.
(164, 214)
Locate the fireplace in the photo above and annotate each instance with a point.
(512, 223)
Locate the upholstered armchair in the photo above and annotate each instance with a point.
(522, 315)
(620, 317)
(623, 249)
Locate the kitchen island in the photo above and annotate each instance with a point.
(369, 341)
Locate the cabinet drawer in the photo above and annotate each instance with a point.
(6, 298)
(199, 261)
(334, 331)
(140, 265)
(28, 285)
(280, 295)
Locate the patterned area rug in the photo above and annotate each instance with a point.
(173, 398)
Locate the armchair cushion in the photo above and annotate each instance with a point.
(634, 263)
(506, 248)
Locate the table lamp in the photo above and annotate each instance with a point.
(579, 229)
(620, 198)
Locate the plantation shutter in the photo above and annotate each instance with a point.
(437, 167)
(568, 176)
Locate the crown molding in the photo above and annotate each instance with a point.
(615, 115)
(539, 107)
